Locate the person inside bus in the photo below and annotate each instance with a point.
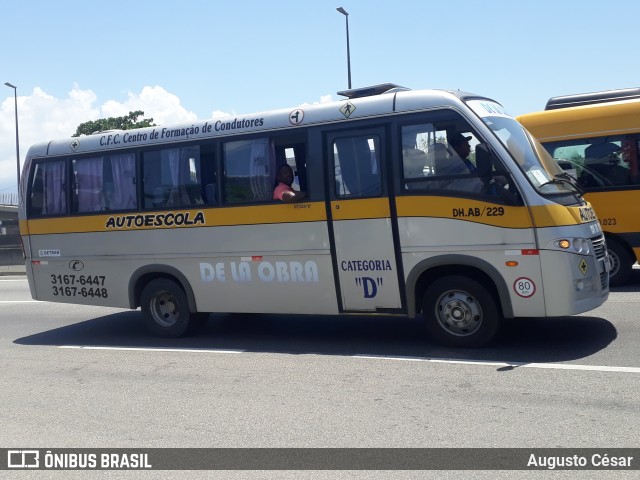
(453, 162)
(284, 191)
(462, 148)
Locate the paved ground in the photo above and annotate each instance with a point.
(11, 269)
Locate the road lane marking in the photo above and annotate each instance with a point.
(506, 365)
(145, 349)
(20, 301)
(549, 366)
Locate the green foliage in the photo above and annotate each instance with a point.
(127, 122)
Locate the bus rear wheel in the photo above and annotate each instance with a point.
(460, 312)
(165, 308)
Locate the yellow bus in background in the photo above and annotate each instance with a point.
(595, 137)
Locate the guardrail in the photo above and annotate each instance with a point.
(11, 256)
(9, 199)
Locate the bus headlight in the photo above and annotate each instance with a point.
(578, 245)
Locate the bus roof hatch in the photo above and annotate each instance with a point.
(592, 98)
(372, 90)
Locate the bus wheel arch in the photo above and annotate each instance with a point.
(462, 299)
(146, 274)
(429, 270)
(622, 259)
(166, 300)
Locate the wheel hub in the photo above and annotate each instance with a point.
(165, 309)
(459, 313)
(614, 263)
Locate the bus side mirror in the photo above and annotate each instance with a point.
(484, 161)
(496, 178)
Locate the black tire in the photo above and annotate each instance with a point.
(460, 312)
(165, 308)
(621, 263)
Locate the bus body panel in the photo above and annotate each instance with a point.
(342, 252)
(266, 260)
(365, 254)
(612, 118)
(366, 264)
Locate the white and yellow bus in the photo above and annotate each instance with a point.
(595, 137)
(180, 221)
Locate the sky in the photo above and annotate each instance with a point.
(76, 61)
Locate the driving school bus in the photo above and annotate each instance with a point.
(422, 203)
(595, 137)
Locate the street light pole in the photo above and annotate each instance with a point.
(15, 100)
(346, 16)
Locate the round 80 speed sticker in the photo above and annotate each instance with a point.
(524, 287)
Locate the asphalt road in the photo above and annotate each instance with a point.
(87, 377)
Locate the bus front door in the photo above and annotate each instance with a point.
(365, 259)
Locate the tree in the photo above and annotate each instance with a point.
(127, 122)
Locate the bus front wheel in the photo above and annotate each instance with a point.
(460, 312)
(165, 308)
(621, 263)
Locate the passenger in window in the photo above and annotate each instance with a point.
(284, 191)
(462, 148)
(454, 162)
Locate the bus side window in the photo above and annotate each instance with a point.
(87, 185)
(36, 196)
(249, 170)
(293, 155)
(48, 194)
(420, 156)
(119, 187)
(172, 178)
(630, 156)
(598, 162)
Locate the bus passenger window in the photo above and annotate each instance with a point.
(415, 163)
(249, 167)
(598, 162)
(439, 157)
(119, 188)
(48, 194)
(104, 183)
(172, 178)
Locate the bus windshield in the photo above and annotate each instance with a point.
(540, 168)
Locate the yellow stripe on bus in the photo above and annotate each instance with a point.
(464, 209)
(358, 209)
(206, 217)
(489, 213)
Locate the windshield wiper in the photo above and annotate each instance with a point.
(564, 176)
(564, 179)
